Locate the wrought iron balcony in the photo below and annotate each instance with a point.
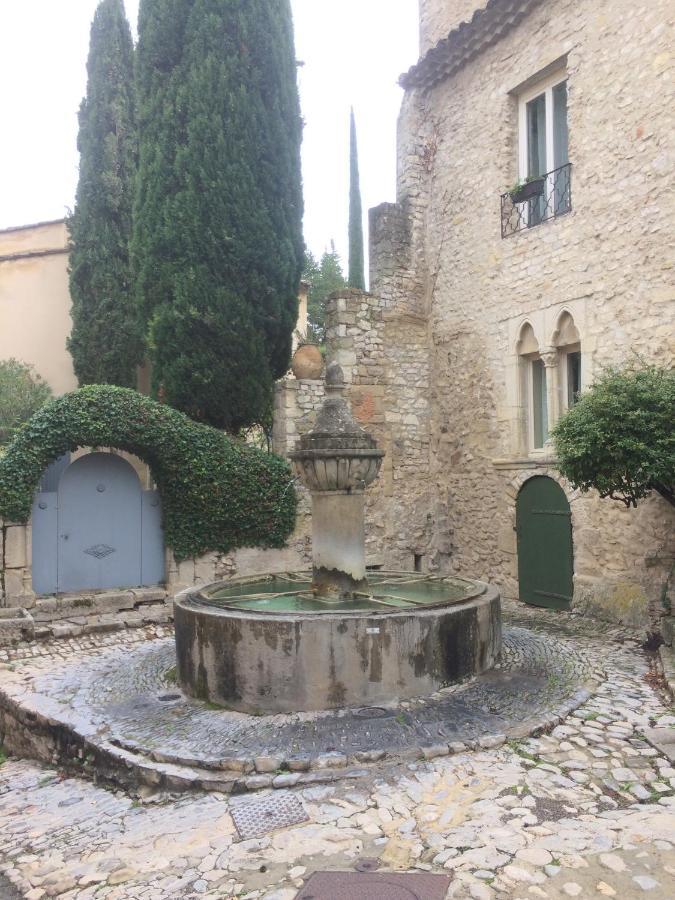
(537, 201)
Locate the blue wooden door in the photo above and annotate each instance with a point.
(99, 515)
(96, 529)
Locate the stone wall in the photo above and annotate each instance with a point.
(439, 17)
(606, 262)
(381, 350)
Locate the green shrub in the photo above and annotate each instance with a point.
(22, 392)
(619, 437)
(216, 494)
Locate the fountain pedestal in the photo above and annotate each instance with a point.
(338, 544)
(337, 460)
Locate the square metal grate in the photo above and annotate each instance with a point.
(254, 818)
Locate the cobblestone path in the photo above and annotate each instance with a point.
(585, 811)
(122, 694)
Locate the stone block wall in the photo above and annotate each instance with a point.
(439, 17)
(15, 555)
(606, 261)
(381, 350)
(296, 402)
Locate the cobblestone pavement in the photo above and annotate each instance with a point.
(122, 695)
(585, 811)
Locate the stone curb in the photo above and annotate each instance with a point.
(34, 732)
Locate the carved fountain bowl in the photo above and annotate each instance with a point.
(337, 470)
(269, 644)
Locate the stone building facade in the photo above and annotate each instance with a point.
(489, 316)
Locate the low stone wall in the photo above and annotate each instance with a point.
(25, 615)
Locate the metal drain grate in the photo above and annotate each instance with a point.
(372, 712)
(255, 818)
(352, 886)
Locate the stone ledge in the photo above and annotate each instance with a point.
(16, 626)
(56, 618)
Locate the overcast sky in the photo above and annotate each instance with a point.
(353, 50)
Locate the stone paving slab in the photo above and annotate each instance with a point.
(663, 739)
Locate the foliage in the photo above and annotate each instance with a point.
(22, 392)
(105, 342)
(356, 277)
(217, 241)
(619, 437)
(217, 493)
(324, 278)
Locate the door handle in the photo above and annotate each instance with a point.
(65, 536)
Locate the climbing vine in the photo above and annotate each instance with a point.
(216, 494)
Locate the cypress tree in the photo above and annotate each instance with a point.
(105, 341)
(217, 242)
(356, 277)
(324, 278)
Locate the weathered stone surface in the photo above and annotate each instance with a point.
(258, 662)
(454, 407)
(468, 815)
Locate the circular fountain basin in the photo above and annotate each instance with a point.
(268, 644)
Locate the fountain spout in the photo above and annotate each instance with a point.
(336, 461)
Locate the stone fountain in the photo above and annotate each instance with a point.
(335, 637)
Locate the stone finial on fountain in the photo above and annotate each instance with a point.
(337, 460)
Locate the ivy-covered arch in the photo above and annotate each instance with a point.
(216, 494)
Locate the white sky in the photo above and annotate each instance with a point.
(353, 50)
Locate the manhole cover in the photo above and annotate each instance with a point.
(353, 886)
(372, 712)
(257, 817)
(167, 698)
(367, 865)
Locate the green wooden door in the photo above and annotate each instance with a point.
(544, 526)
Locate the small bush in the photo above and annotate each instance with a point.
(620, 438)
(22, 392)
(216, 494)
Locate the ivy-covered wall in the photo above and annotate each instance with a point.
(217, 494)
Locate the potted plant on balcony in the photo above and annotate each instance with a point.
(532, 186)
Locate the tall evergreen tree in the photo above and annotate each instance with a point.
(324, 277)
(105, 342)
(217, 245)
(356, 277)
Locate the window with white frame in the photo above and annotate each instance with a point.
(568, 342)
(539, 403)
(544, 148)
(534, 390)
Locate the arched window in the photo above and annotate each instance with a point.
(533, 388)
(568, 343)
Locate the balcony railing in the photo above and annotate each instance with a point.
(537, 201)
